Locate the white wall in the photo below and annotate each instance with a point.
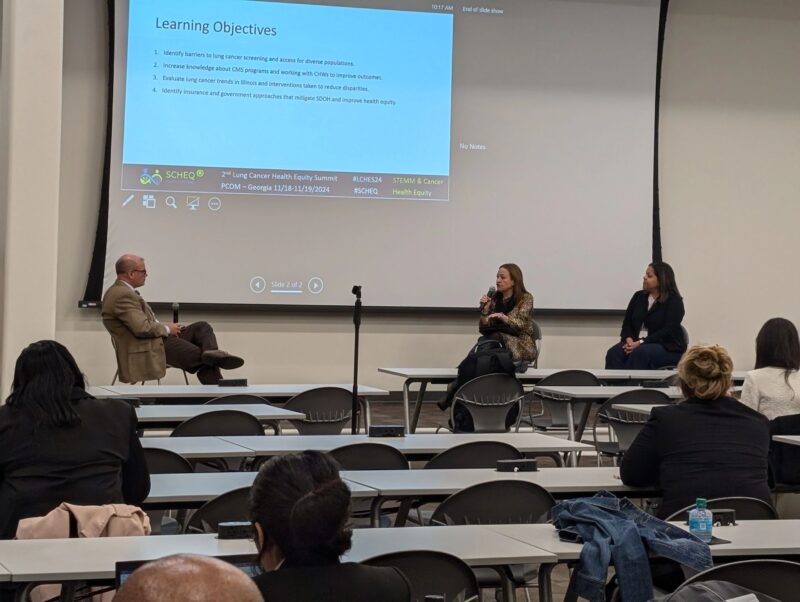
(730, 136)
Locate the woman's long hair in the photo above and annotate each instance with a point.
(778, 346)
(44, 378)
(666, 280)
(516, 275)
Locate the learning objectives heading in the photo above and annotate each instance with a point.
(223, 27)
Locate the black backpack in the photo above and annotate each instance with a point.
(488, 356)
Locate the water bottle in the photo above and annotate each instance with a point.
(701, 520)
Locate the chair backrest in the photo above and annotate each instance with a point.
(230, 506)
(218, 424)
(369, 456)
(477, 454)
(489, 399)
(237, 399)
(626, 424)
(776, 578)
(164, 461)
(327, 410)
(495, 503)
(432, 573)
(537, 338)
(565, 378)
(747, 508)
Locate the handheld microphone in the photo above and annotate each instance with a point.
(175, 308)
(492, 290)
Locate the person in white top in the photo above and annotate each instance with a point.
(773, 388)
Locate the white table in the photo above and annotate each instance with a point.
(5, 574)
(426, 376)
(211, 391)
(94, 559)
(170, 414)
(422, 444)
(412, 484)
(756, 538)
(195, 488)
(197, 447)
(790, 439)
(644, 408)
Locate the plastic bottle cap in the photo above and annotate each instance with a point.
(701, 502)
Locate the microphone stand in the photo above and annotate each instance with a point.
(357, 324)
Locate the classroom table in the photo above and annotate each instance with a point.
(174, 414)
(426, 376)
(644, 408)
(416, 444)
(212, 391)
(193, 448)
(94, 559)
(191, 490)
(560, 482)
(790, 439)
(194, 489)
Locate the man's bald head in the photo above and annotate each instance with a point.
(126, 263)
(188, 578)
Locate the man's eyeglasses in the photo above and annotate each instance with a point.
(140, 271)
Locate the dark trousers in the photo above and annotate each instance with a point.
(185, 351)
(648, 356)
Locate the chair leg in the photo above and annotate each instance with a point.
(185, 378)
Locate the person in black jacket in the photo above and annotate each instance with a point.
(709, 445)
(651, 335)
(300, 508)
(60, 444)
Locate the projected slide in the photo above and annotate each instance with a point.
(270, 98)
(278, 153)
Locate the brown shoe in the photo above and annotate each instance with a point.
(221, 359)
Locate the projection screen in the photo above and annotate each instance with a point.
(277, 153)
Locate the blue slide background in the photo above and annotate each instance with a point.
(412, 50)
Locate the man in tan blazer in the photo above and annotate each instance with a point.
(145, 346)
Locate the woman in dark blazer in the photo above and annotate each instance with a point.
(300, 508)
(59, 444)
(709, 445)
(651, 335)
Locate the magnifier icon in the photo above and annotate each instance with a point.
(170, 202)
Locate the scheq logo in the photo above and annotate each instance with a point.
(147, 179)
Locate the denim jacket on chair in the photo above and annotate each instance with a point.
(612, 528)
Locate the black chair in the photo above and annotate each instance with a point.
(163, 461)
(327, 410)
(554, 413)
(490, 401)
(230, 506)
(747, 508)
(432, 573)
(498, 503)
(220, 423)
(244, 398)
(373, 456)
(477, 454)
(537, 339)
(625, 425)
(776, 578)
(369, 456)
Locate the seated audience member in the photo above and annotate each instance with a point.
(300, 509)
(772, 388)
(708, 445)
(508, 314)
(60, 444)
(145, 346)
(651, 335)
(188, 578)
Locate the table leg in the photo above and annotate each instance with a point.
(418, 407)
(375, 512)
(545, 582)
(573, 459)
(406, 419)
